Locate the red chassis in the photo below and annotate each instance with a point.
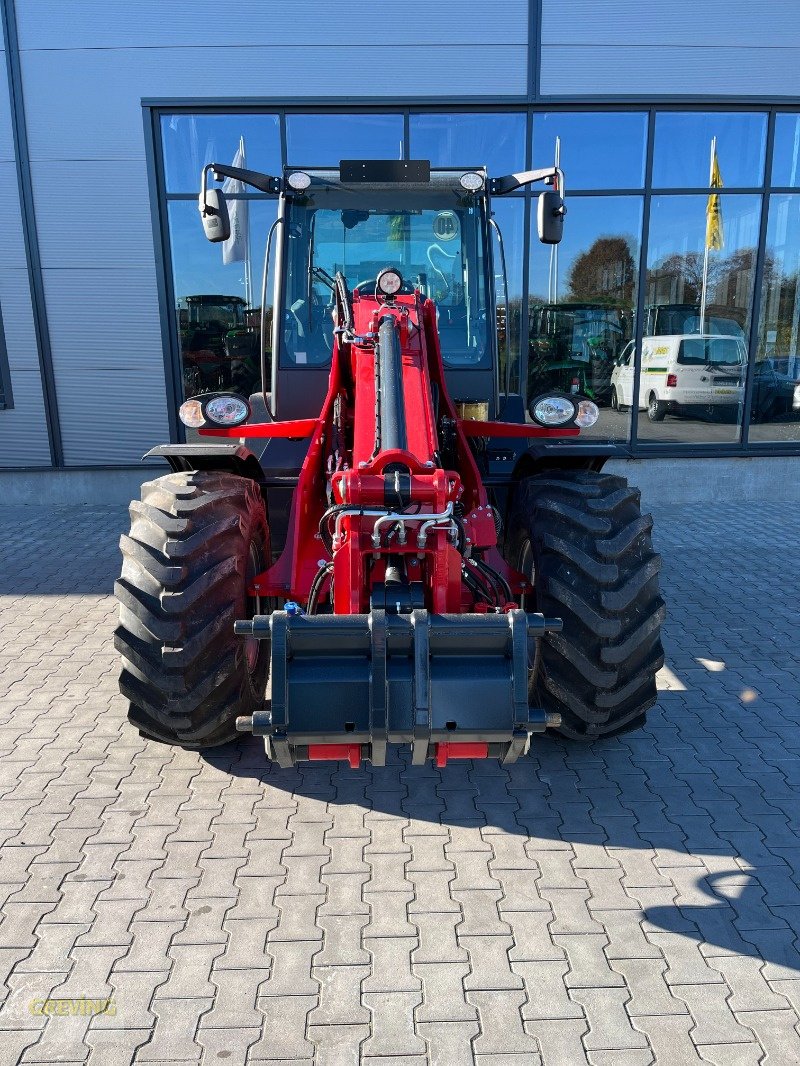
(346, 473)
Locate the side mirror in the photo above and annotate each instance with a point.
(550, 217)
(214, 213)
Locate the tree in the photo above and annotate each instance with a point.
(606, 273)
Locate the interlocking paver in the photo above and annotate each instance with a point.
(502, 1032)
(448, 1042)
(670, 1038)
(560, 1041)
(778, 1033)
(443, 993)
(175, 1031)
(115, 1047)
(337, 1045)
(340, 990)
(609, 1026)
(235, 997)
(547, 994)
(638, 899)
(392, 1027)
(714, 1022)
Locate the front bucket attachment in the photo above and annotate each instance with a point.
(345, 686)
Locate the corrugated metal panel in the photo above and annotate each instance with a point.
(6, 135)
(684, 24)
(95, 214)
(12, 242)
(658, 70)
(110, 416)
(96, 113)
(23, 430)
(105, 321)
(98, 24)
(15, 300)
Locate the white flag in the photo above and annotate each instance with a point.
(235, 248)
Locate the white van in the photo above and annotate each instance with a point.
(688, 373)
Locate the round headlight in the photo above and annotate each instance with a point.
(191, 414)
(226, 410)
(587, 414)
(471, 181)
(389, 282)
(553, 410)
(299, 181)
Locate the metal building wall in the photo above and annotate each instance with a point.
(23, 429)
(697, 47)
(86, 67)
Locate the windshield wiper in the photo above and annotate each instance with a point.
(322, 275)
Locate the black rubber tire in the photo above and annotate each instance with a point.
(615, 404)
(196, 539)
(583, 541)
(656, 409)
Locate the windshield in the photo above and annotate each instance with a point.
(214, 310)
(433, 234)
(702, 351)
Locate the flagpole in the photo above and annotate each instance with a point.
(552, 274)
(248, 281)
(707, 243)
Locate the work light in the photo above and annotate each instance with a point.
(553, 410)
(226, 410)
(471, 181)
(191, 414)
(587, 414)
(221, 409)
(299, 181)
(389, 282)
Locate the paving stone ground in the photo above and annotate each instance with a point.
(629, 903)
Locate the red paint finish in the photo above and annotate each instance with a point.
(473, 428)
(345, 465)
(336, 752)
(297, 429)
(445, 750)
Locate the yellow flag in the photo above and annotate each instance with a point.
(715, 235)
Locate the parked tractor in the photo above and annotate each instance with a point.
(382, 546)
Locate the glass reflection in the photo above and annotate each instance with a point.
(496, 141)
(218, 297)
(598, 151)
(325, 140)
(582, 302)
(510, 217)
(191, 141)
(786, 151)
(682, 149)
(701, 262)
(775, 409)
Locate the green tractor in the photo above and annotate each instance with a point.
(219, 344)
(573, 348)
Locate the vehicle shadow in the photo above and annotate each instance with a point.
(690, 821)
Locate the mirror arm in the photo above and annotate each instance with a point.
(262, 182)
(204, 188)
(551, 175)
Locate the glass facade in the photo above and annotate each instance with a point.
(673, 299)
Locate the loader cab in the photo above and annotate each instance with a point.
(359, 220)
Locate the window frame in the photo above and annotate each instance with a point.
(154, 109)
(6, 392)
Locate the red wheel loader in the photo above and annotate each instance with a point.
(382, 546)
